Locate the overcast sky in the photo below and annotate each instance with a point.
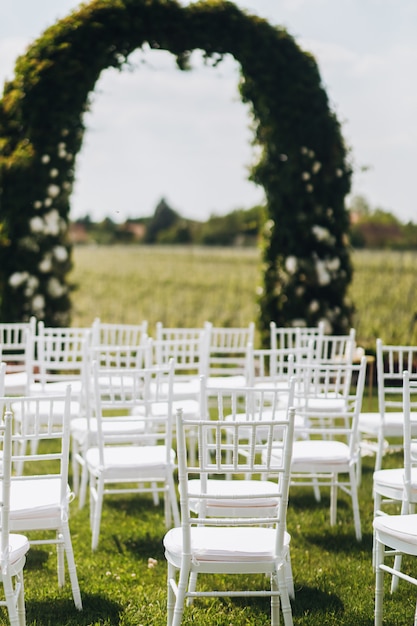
(157, 132)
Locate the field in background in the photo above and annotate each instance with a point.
(185, 286)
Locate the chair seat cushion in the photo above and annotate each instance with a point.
(15, 383)
(401, 528)
(18, 547)
(314, 454)
(81, 431)
(129, 459)
(36, 498)
(235, 494)
(391, 482)
(249, 544)
(227, 382)
(370, 423)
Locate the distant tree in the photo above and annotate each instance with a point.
(163, 219)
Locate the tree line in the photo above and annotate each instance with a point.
(373, 228)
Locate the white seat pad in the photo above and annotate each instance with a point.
(250, 544)
(36, 498)
(371, 422)
(319, 453)
(130, 457)
(18, 546)
(401, 527)
(236, 493)
(227, 381)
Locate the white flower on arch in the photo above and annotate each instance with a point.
(55, 288)
(60, 253)
(17, 279)
(36, 224)
(52, 222)
(38, 304)
(291, 264)
(53, 191)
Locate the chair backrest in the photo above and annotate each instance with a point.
(188, 353)
(275, 365)
(114, 334)
(41, 437)
(409, 433)
(228, 349)
(391, 362)
(136, 395)
(164, 333)
(16, 346)
(328, 398)
(62, 353)
(135, 355)
(334, 348)
(232, 445)
(293, 337)
(5, 481)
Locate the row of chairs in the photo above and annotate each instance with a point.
(395, 535)
(253, 375)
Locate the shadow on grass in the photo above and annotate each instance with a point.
(312, 601)
(96, 609)
(308, 601)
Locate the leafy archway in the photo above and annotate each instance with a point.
(303, 164)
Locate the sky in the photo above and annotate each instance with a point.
(155, 132)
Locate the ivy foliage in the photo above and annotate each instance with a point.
(303, 164)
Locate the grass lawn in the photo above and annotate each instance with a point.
(333, 576)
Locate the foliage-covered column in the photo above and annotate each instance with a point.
(303, 166)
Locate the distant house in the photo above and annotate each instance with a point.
(137, 230)
(78, 233)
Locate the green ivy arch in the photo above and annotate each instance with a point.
(303, 165)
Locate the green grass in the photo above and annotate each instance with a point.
(333, 575)
(183, 286)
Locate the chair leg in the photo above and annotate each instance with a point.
(333, 500)
(285, 600)
(21, 610)
(173, 501)
(181, 591)
(355, 503)
(96, 517)
(405, 508)
(274, 600)
(72, 570)
(379, 583)
(10, 600)
(60, 559)
(75, 467)
(83, 486)
(170, 593)
(377, 506)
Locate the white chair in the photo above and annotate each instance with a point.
(400, 484)
(83, 427)
(115, 334)
(188, 348)
(243, 405)
(16, 340)
(328, 398)
(396, 535)
(227, 357)
(40, 494)
(140, 461)
(293, 336)
(231, 543)
(13, 546)
(61, 355)
(382, 431)
(335, 348)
